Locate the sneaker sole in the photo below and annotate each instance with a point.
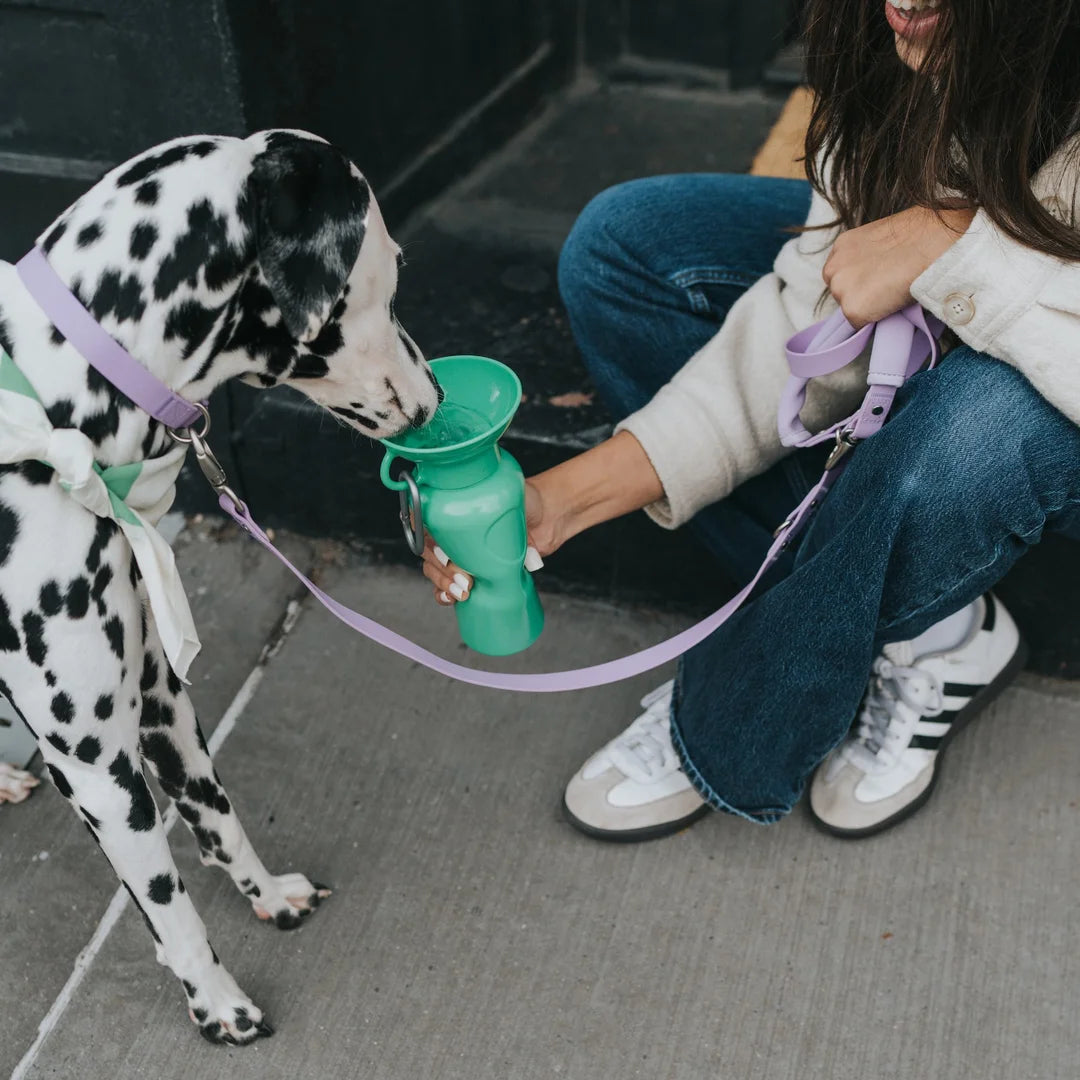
(634, 836)
(968, 713)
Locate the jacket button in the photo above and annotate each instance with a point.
(959, 310)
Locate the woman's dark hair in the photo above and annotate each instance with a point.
(997, 94)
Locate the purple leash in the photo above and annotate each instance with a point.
(902, 344)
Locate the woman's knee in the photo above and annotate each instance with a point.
(601, 241)
(975, 430)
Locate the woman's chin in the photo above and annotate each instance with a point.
(911, 53)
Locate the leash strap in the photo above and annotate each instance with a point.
(97, 348)
(902, 344)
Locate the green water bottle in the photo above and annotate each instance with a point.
(470, 494)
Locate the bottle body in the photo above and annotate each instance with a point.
(481, 527)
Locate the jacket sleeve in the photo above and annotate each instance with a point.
(1011, 302)
(714, 424)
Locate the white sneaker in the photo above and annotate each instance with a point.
(887, 767)
(633, 789)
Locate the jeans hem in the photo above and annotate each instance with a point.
(705, 790)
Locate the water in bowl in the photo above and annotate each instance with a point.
(451, 424)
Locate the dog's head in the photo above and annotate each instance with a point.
(265, 258)
(330, 270)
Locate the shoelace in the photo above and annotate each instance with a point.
(644, 751)
(880, 729)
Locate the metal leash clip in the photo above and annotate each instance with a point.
(844, 444)
(207, 461)
(411, 514)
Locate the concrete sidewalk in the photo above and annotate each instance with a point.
(473, 935)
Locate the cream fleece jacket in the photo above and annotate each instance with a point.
(713, 425)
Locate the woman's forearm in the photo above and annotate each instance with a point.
(606, 482)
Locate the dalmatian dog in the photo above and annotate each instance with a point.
(206, 258)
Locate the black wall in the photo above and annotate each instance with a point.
(416, 91)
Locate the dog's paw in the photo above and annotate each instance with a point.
(288, 900)
(15, 784)
(223, 1013)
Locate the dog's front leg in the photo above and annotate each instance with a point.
(173, 745)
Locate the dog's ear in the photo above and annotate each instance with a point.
(308, 207)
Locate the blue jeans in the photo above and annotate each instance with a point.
(971, 468)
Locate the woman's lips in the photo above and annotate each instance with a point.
(920, 25)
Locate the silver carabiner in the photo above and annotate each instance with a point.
(207, 461)
(411, 514)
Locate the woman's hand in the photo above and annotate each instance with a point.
(870, 269)
(610, 480)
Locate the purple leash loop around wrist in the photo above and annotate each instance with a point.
(902, 344)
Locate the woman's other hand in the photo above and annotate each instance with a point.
(870, 269)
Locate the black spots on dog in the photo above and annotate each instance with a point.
(89, 749)
(121, 297)
(191, 322)
(9, 531)
(104, 530)
(200, 1018)
(180, 888)
(188, 812)
(146, 166)
(156, 713)
(102, 580)
(50, 599)
(309, 209)
(88, 235)
(90, 820)
(114, 631)
(148, 679)
(133, 566)
(272, 345)
(310, 367)
(147, 193)
(172, 681)
(103, 707)
(35, 473)
(208, 840)
(60, 413)
(59, 742)
(143, 237)
(352, 414)
(410, 348)
(50, 678)
(249, 888)
(62, 707)
(143, 812)
(329, 340)
(55, 337)
(189, 989)
(160, 890)
(53, 237)
(60, 781)
(102, 425)
(142, 912)
(33, 626)
(143, 624)
(160, 751)
(77, 598)
(206, 235)
(224, 266)
(9, 636)
(207, 793)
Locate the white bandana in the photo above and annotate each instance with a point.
(135, 496)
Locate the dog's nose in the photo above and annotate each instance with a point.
(419, 418)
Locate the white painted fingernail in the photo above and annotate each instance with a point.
(532, 559)
(462, 580)
(444, 598)
(457, 592)
(441, 555)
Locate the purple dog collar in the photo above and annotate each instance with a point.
(98, 349)
(902, 344)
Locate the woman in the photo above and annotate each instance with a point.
(943, 167)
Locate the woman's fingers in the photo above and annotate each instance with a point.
(451, 582)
